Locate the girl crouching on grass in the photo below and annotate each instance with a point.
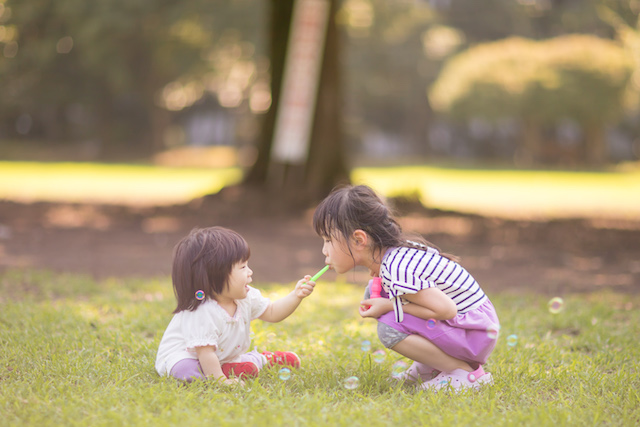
(208, 336)
(435, 313)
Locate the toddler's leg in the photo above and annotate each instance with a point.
(187, 370)
(254, 357)
(249, 365)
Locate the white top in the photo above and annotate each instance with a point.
(210, 325)
(408, 270)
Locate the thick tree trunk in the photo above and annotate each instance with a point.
(325, 165)
(528, 153)
(280, 19)
(595, 145)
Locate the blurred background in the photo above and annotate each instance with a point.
(514, 83)
(515, 122)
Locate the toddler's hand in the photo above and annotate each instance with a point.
(233, 381)
(304, 287)
(375, 307)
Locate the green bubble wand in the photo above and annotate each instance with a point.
(319, 273)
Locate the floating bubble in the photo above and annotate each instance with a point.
(398, 369)
(379, 355)
(366, 345)
(351, 383)
(493, 331)
(271, 336)
(556, 305)
(431, 323)
(512, 340)
(284, 374)
(200, 295)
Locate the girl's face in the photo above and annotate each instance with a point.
(239, 280)
(337, 254)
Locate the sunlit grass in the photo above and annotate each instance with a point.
(79, 352)
(511, 193)
(128, 184)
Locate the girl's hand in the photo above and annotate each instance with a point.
(375, 307)
(233, 382)
(304, 287)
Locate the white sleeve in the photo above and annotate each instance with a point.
(200, 328)
(257, 303)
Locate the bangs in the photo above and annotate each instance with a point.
(331, 218)
(239, 249)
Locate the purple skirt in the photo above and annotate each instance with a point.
(469, 337)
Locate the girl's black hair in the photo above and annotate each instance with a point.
(351, 208)
(203, 260)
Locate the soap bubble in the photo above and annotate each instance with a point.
(556, 305)
(512, 340)
(493, 331)
(398, 369)
(379, 355)
(200, 295)
(366, 345)
(284, 374)
(351, 383)
(271, 336)
(431, 323)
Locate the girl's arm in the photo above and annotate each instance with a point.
(430, 303)
(282, 308)
(210, 363)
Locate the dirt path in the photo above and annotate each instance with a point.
(555, 257)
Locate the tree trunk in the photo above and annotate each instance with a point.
(528, 153)
(325, 165)
(280, 19)
(595, 145)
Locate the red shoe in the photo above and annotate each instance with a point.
(287, 358)
(240, 370)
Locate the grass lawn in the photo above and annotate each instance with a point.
(513, 193)
(76, 352)
(108, 183)
(510, 193)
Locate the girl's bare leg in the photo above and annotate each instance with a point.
(422, 350)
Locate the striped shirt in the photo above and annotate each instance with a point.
(409, 270)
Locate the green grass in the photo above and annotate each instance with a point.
(92, 182)
(510, 193)
(77, 352)
(513, 193)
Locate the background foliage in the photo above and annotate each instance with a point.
(117, 74)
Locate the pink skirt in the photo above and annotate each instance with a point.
(470, 337)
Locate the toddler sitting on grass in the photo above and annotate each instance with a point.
(208, 336)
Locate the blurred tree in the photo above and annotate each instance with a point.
(325, 165)
(103, 65)
(578, 77)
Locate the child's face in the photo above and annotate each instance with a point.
(337, 254)
(239, 280)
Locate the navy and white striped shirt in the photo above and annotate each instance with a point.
(409, 270)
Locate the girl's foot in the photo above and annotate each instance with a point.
(418, 372)
(287, 358)
(458, 379)
(240, 370)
